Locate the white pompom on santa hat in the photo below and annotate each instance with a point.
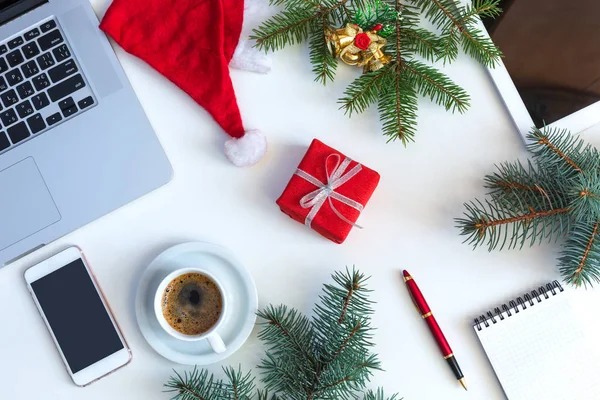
(198, 40)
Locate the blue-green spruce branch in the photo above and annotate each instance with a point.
(555, 196)
(326, 357)
(395, 87)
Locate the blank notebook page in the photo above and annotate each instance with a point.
(544, 351)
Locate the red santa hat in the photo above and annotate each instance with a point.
(192, 42)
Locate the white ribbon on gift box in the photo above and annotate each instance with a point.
(326, 191)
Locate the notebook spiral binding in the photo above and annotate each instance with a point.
(513, 305)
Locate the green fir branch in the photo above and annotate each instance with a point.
(520, 187)
(398, 101)
(297, 21)
(324, 64)
(585, 197)
(398, 108)
(557, 148)
(439, 12)
(480, 47)
(556, 195)
(363, 91)
(460, 24)
(395, 87)
(496, 225)
(288, 333)
(449, 46)
(420, 41)
(481, 9)
(195, 385)
(286, 28)
(579, 261)
(265, 395)
(341, 363)
(431, 83)
(379, 395)
(238, 385)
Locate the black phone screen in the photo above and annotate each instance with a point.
(551, 53)
(77, 316)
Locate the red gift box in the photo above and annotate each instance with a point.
(328, 191)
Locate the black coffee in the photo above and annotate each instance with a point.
(192, 303)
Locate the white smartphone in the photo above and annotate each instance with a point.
(76, 313)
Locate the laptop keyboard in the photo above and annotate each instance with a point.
(41, 84)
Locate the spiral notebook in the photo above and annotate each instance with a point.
(541, 346)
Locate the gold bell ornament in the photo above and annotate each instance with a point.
(355, 47)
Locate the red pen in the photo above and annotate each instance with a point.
(435, 329)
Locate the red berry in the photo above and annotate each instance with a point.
(377, 27)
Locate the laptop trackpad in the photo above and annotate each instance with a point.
(26, 205)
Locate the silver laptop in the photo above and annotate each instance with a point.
(75, 143)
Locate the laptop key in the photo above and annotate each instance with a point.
(18, 133)
(4, 143)
(9, 98)
(25, 90)
(85, 103)
(3, 65)
(30, 69)
(36, 123)
(16, 42)
(9, 117)
(24, 109)
(50, 40)
(32, 34)
(40, 101)
(48, 26)
(66, 103)
(3, 49)
(61, 53)
(13, 77)
(66, 87)
(15, 58)
(67, 112)
(53, 119)
(45, 60)
(3, 84)
(63, 70)
(30, 50)
(41, 82)
(67, 106)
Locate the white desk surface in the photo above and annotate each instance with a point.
(408, 224)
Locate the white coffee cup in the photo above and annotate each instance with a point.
(213, 338)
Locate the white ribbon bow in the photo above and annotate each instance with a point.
(325, 192)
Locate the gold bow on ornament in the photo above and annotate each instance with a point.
(355, 47)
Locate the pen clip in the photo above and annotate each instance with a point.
(412, 298)
(414, 302)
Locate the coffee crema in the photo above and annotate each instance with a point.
(192, 303)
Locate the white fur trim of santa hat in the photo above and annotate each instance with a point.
(247, 150)
(246, 56)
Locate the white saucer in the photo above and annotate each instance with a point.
(237, 283)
